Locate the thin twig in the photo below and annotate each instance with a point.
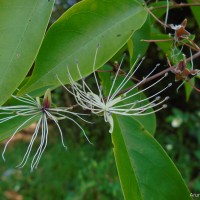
(150, 78)
(160, 73)
(175, 6)
(159, 21)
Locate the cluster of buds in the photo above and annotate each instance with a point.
(181, 38)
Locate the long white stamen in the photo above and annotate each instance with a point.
(84, 83)
(132, 107)
(154, 111)
(61, 134)
(142, 100)
(28, 112)
(85, 99)
(82, 95)
(180, 86)
(64, 85)
(95, 77)
(7, 118)
(167, 13)
(191, 60)
(126, 79)
(75, 123)
(25, 158)
(30, 97)
(24, 100)
(14, 135)
(21, 110)
(142, 79)
(141, 91)
(141, 109)
(118, 70)
(80, 128)
(64, 116)
(43, 143)
(6, 113)
(15, 108)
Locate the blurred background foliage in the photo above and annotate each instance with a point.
(88, 171)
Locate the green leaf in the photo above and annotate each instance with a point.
(145, 170)
(195, 11)
(189, 88)
(76, 35)
(139, 47)
(162, 40)
(22, 27)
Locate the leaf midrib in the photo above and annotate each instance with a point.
(50, 71)
(21, 39)
(136, 178)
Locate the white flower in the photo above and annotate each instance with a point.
(33, 108)
(169, 147)
(176, 122)
(113, 103)
(175, 27)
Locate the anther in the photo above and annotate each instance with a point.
(158, 98)
(166, 98)
(164, 106)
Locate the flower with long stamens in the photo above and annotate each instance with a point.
(124, 104)
(44, 110)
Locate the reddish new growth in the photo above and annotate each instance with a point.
(180, 31)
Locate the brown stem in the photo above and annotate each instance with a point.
(73, 106)
(171, 68)
(196, 55)
(194, 44)
(188, 45)
(159, 21)
(99, 70)
(176, 5)
(193, 86)
(164, 40)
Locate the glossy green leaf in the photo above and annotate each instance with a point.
(145, 170)
(188, 88)
(163, 41)
(76, 36)
(139, 47)
(195, 11)
(22, 27)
